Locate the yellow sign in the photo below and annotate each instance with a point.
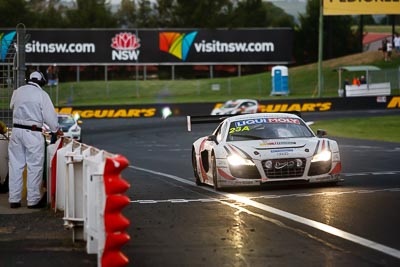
(110, 113)
(361, 7)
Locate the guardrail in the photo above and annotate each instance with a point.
(85, 183)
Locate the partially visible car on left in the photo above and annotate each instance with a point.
(70, 125)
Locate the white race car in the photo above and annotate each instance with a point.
(69, 124)
(257, 149)
(238, 106)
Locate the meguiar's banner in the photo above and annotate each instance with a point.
(361, 7)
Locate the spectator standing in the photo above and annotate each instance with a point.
(346, 82)
(52, 75)
(389, 48)
(396, 41)
(32, 108)
(356, 81)
(384, 49)
(362, 80)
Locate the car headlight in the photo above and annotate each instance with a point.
(324, 155)
(236, 160)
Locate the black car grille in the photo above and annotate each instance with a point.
(284, 168)
(245, 172)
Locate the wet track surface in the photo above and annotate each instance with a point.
(176, 223)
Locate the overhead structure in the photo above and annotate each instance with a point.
(366, 7)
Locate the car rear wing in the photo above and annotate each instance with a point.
(204, 119)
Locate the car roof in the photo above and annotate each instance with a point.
(64, 115)
(240, 100)
(262, 115)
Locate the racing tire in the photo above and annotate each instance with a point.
(195, 171)
(214, 173)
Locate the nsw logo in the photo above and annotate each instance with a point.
(125, 46)
(176, 44)
(5, 41)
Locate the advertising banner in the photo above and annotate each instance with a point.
(166, 46)
(361, 7)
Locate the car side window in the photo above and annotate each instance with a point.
(219, 132)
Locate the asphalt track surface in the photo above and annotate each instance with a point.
(176, 223)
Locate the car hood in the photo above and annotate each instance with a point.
(66, 127)
(275, 148)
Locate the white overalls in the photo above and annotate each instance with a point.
(31, 106)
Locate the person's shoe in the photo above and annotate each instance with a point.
(40, 205)
(15, 205)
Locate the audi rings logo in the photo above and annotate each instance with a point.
(290, 164)
(126, 47)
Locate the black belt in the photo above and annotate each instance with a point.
(32, 127)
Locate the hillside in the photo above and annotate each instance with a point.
(366, 58)
(303, 83)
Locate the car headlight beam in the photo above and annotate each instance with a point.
(324, 155)
(236, 160)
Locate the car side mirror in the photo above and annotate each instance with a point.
(321, 133)
(212, 138)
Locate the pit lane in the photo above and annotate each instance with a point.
(175, 223)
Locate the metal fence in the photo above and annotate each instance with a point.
(387, 75)
(6, 82)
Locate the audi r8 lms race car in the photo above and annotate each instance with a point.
(257, 149)
(239, 106)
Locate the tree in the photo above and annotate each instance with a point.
(201, 14)
(49, 13)
(91, 14)
(126, 14)
(277, 17)
(164, 13)
(338, 37)
(146, 16)
(249, 13)
(14, 12)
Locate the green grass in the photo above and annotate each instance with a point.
(383, 128)
(303, 83)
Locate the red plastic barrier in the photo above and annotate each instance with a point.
(115, 223)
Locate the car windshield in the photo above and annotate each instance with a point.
(267, 128)
(230, 105)
(66, 120)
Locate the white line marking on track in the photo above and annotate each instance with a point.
(314, 224)
(334, 193)
(370, 173)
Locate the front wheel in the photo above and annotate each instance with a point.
(195, 171)
(214, 172)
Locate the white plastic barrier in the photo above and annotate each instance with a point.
(372, 89)
(76, 186)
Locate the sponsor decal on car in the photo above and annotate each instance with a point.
(281, 150)
(266, 120)
(275, 143)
